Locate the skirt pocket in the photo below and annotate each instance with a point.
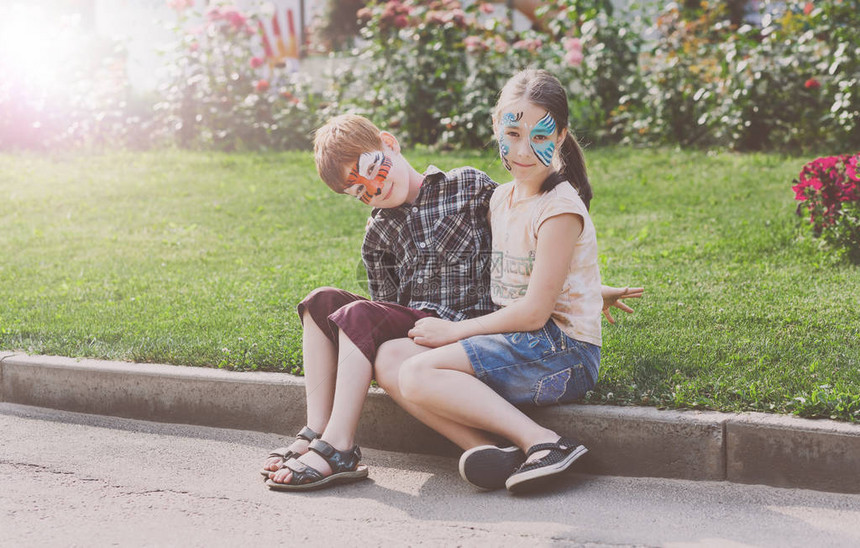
(563, 386)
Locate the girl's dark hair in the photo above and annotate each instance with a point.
(541, 88)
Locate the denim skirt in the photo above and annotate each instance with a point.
(543, 367)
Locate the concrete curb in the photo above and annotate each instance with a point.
(628, 441)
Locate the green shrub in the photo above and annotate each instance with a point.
(789, 84)
(432, 70)
(828, 189)
(220, 95)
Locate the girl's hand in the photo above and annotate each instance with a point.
(434, 332)
(612, 297)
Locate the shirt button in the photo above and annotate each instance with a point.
(414, 210)
(419, 279)
(422, 244)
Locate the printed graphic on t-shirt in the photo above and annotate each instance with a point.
(503, 266)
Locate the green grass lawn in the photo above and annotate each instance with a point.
(199, 259)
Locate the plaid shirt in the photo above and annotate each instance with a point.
(434, 254)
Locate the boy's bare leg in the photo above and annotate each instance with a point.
(320, 364)
(352, 381)
(389, 358)
(442, 381)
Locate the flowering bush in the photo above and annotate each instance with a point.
(431, 69)
(220, 94)
(788, 83)
(828, 190)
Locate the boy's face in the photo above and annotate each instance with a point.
(378, 179)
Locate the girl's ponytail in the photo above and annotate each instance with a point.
(573, 161)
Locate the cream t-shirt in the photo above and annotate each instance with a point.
(515, 227)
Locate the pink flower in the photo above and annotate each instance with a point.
(231, 14)
(851, 168)
(401, 21)
(573, 58)
(799, 192)
(499, 44)
(290, 97)
(849, 192)
(826, 163)
(261, 85)
(256, 62)
(180, 5)
(529, 44)
(807, 9)
(474, 43)
(486, 8)
(458, 16)
(572, 44)
(436, 17)
(573, 47)
(235, 17)
(812, 83)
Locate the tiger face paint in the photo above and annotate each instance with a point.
(368, 176)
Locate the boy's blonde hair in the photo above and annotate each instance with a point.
(338, 145)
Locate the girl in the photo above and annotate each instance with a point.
(543, 346)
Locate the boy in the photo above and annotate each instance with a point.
(425, 255)
(422, 252)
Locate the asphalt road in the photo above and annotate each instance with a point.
(68, 479)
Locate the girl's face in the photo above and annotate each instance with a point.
(528, 139)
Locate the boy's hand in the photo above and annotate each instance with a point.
(612, 297)
(434, 332)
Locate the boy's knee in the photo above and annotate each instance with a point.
(318, 296)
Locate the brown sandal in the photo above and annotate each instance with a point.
(344, 467)
(304, 434)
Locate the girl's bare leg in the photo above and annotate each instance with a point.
(351, 383)
(443, 382)
(320, 359)
(389, 359)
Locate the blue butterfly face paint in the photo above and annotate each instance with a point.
(509, 120)
(541, 139)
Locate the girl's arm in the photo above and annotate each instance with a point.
(555, 240)
(612, 297)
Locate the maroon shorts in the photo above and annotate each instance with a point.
(367, 323)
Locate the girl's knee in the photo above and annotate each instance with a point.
(387, 366)
(413, 375)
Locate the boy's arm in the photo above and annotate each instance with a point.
(382, 280)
